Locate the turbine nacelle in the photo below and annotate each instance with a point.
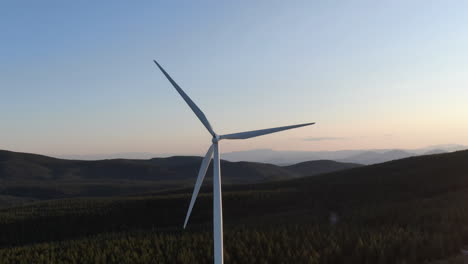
(216, 138)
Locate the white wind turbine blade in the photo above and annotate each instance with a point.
(189, 101)
(201, 175)
(261, 132)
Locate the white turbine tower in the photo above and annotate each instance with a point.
(214, 149)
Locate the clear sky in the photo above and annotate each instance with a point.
(77, 77)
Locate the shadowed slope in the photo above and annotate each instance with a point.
(30, 176)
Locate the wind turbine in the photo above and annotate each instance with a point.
(214, 149)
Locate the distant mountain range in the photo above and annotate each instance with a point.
(279, 157)
(366, 157)
(42, 177)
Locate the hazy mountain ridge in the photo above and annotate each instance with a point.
(280, 157)
(373, 157)
(366, 157)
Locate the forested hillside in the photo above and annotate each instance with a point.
(407, 211)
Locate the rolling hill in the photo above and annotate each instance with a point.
(31, 176)
(311, 168)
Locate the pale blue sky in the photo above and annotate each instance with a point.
(76, 77)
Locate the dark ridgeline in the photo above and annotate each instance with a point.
(406, 211)
(31, 176)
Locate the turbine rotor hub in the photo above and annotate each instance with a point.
(215, 139)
